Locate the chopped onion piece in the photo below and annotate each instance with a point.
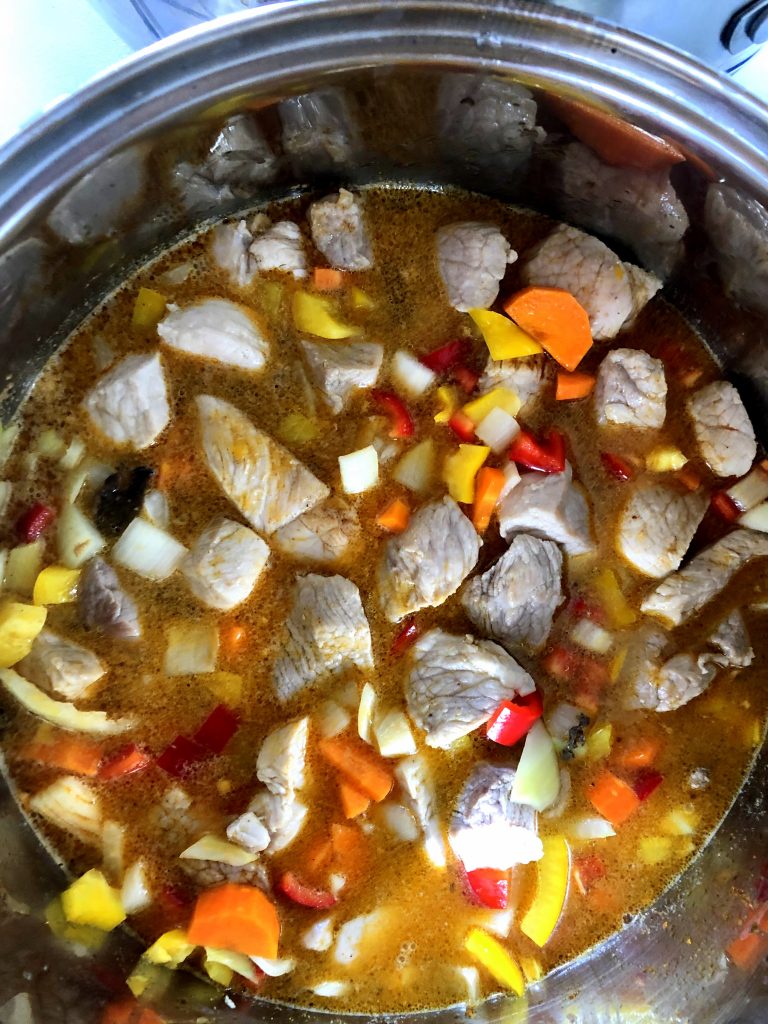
(416, 468)
(88, 471)
(61, 712)
(399, 821)
(135, 895)
(394, 736)
(70, 804)
(274, 968)
(511, 479)
(560, 720)
(330, 989)
(237, 962)
(177, 274)
(6, 489)
(23, 567)
(156, 510)
(102, 352)
(588, 634)
(210, 847)
(498, 429)
(113, 849)
(346, 694)
(750, 490)
(411, 375)
(537, 782)
(336, 883)
(148, 551)
(331, 719)
(50, 445)
(592, 828)
(73, 454)
(756, 518)
(77, 538)
(359, 470)
(365, 712)
(351, 935)
(472, 981)
(319, 937)
(498, 921)
(3, 564)
(192, 649)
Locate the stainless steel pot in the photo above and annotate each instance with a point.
(124, 168)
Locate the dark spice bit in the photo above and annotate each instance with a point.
(121, 497)
(576, 738)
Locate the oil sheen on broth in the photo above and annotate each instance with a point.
(411, 960)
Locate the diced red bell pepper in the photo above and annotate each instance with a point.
(441, 359)
(217, 730)
(305, 895)
(466, 379)
(581, 608)
(125, 761)
(400, 419)
(181, 755)
(647, 782)
(462, 426)
(725, 506)
(545, 456)
(512, 719)
(33, 522)
(586, 871)
(616, 466)
(407, 636)
(490, 887)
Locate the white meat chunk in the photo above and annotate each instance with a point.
(281, 761)
(685, 592)
(338, 231)
(631, 390)
(527, 377)
(428, 561)
(641, 208)
(738, 228)
(249, 831)
(283, 817)
(414, 775)
(323, 534)
(455, 683)
(224, 564)
(515, 600)
(338, 369)
(327, 633)
(656, 528)
(277, 247)
(611, 291)
(723, 429)
(205, 874)
(473, 259)
(216, 329)
(550, 506)
(267, 484)
(319, 131)
(102, 603)
(229, 248)
(129, 404)
(61, 666)
(488, 828)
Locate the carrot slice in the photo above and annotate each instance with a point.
(689, 478)
(68, 753)
(326, 279)
(573, 385)
(353, 802)
(488, 485)
(555, 319)
(236, 917)
(612, 798)
(640, 754)
(394, 517)
(362, 767)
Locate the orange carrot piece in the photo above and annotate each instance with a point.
(353, 802)
(751, 944)
(612, 798)
(326, 279)
(488, 485)
(555, 319)
(318, 857)
(640, 754)
(350, 849)
(394, 517)
(236, 917)
(689, 478)
(232, 638)
(573, 385)
(68, 753)
(361, 766)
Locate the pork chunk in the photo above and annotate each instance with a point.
(489, 829)
(550, 506)
(281, 761)
(224, 564)
(455, 683)
(631, 390)
(414, 775)
(229, 249)
(428, 562)
(527, 377)
(612, 292)
(129, 404)
(338, 369)
(657, 526)
(216, 329)
(264, 481)
(277, 247)
(327, 633)
(473, 259)
(102, 603)
(61, 665)
(723, 429)
(515, 600)
(738, 227)
(338, 231)
(685, 592)
(323, 534)
(282, 817)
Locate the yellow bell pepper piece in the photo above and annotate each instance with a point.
(617, 608)
(227, 686)
(449, 403)
(148, 979)
(532, 969)
(218, 973)
(498, 398)
(505, 340)
(78, 934)
(618, 664)
(600, 742)
(495, 959)
(460, 469)
(23, 565)
(296, 428)
(19, 625)
(665, 459)
(360, 300)
(681, 821)
(552, 874)
(171, 949)
(148, 308)
(55, 585)
(312, 314)
(654, 849)
(92, 900)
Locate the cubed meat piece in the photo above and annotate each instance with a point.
(61, 666)
(631, 390)
(473, 259)
(277, 247)
(550, 506)
(224, 564)
(527, 377)
(319, 132)
(657, 526)
(281, 761)
(515, 600)
(208, 873)
(229, 248)
(338, 231)
(685, 592)
(455, 683)
(282, 816)
(723, 429)
(738, 228)
(327, 633)
(338, 368)
(429, 561)
(489, 829)
(249, 831)
(216, 329)
(612, 292)
(414, 775)
(264, 481)
(129, 404)
(102, 604)
(323, 534)
(180, 822)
